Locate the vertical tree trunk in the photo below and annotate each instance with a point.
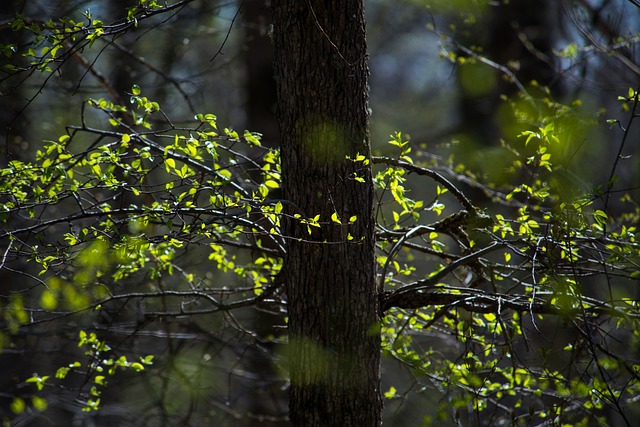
(321, 74)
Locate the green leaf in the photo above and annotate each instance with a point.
(18, 405)
(148, 360)
(391, 393)
(39, 403)
(39, 381)
(137, 367)
(62, 372)
(48, 301)
(600, 214)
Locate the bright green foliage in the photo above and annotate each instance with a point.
(487, 356)
(517, 308)
(66, 37)
(126, 205)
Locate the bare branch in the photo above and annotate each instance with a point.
(478, 301)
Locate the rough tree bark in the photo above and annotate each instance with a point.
(321, 73)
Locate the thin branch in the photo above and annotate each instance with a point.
(632, 116)
(394, 298)
(224, 42)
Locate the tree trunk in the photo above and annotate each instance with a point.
(519, 34)
(321, 74)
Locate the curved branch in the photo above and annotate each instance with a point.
(464, 201)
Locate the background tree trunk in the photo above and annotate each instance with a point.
(520, 35)
(258, 58)
(321, 73)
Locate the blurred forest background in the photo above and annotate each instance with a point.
(441, 72)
